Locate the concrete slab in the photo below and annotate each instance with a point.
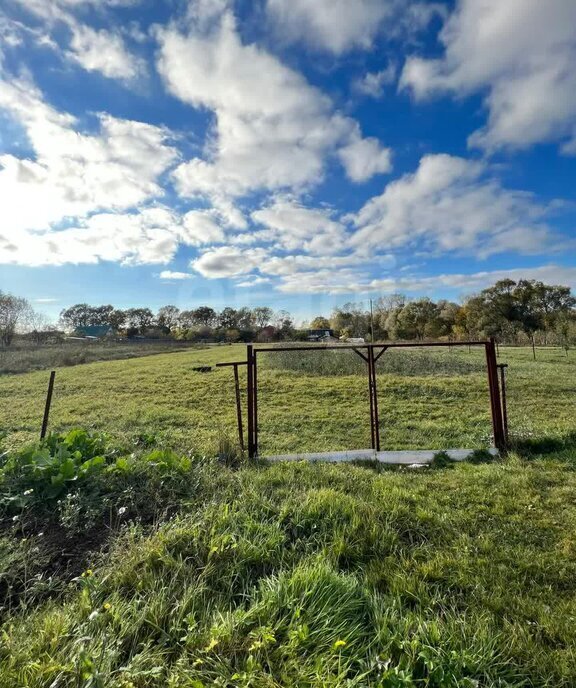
(408, 457)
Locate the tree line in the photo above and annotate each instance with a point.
(198, 324)
(526, 311)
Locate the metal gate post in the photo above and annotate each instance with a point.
(495, 401)
(375, 419)
(238, 407)
(250, 399)
(502, 367)
(255, 401)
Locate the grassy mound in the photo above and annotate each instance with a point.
(286, 575)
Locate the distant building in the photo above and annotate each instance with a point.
(94, 331)
(321, 336)
(354, 340)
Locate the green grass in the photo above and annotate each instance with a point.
(298, 410)
(322, 575)
(22, 357)
(199, 572)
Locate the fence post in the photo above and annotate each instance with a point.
(371, 395)
(250, 399)
(255, 401)
(502, 367)
(47, 405)
(375, 419)
(495, 401)
(238, 407)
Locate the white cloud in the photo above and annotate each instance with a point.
(295, 227)
(99, 50)
(333, 25)
(363, 158)
(524, 53)
(550, 274)
(74, 173)
(200, 227)
(372, 83)
(171, 275)
(104, 52)
(450, 204)
(324, 281)
(228, 261)
(252, 282)
(338, 26)
(144, 237)
(272, 130)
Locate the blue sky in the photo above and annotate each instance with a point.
(291, 153)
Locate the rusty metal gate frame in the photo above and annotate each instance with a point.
(367, 353)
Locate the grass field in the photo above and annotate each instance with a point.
(22, 357)
(300, 410)
(129, 566)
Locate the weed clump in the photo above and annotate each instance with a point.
(61, 499)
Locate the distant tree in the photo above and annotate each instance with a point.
(186, 320)
(13, 311)
(79, 315)
(283, 325)
(36, 325)
(352, 317)
(204, 315)
(447, 314)
(100, 315)
(527, 310)
(418, 319)
(228, 318)
(117, 319)
(167, 317)
(139, 319)
(385, 310)
(262, 316)
(467, 319)
(245, 318)
(551, 302)
(320, 323)
(566, 329)
(498, 309)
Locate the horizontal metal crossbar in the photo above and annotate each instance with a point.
(396, 345)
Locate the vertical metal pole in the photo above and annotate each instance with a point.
(255, 401)
(371, 322)
(375, 402)
(502, 367)
(495, 402)
(47, 405)
(370, 381)
(238, 407)
(250, 399)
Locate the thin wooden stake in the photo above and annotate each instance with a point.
(47, 405)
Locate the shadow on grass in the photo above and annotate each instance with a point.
(565, 445)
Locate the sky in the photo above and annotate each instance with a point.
(291, 153)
